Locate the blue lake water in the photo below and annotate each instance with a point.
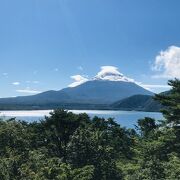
(124, 118)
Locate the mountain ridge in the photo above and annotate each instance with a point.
(138, 103)
(97, 92)
(107, 87)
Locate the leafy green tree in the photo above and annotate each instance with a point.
(172, 167)
(66, 146)
(171, 102)
(88, 147)
(85, 173)
(146, 126)
(171, 112)
(152, 169)
(14, 146)
(153, 152)
(59, 127)
(118, 138)
(40, 167)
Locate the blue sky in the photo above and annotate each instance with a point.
(45, 42)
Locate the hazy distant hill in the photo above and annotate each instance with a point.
(138, 103)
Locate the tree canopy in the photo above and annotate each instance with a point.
(67, 146)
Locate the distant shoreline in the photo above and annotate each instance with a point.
(105, 109)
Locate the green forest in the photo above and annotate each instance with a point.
(66, 146)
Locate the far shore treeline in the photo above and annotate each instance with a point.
(144, 103)
(66, 146)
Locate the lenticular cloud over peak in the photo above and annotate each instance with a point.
(108, 70)
(107, 73)
(111, 73)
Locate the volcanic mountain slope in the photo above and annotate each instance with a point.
(107, 87)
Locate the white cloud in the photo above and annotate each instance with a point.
(16, 83)
(112, 73)
(108, 69)
(78, 80)
(154, 87)
(167, 63)
(28, 91)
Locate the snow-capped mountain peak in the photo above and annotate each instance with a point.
(111, 73)
(107, 73)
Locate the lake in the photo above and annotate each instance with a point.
(125, 118)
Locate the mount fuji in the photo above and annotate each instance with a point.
(108, 86)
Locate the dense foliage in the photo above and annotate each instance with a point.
(66, 146)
